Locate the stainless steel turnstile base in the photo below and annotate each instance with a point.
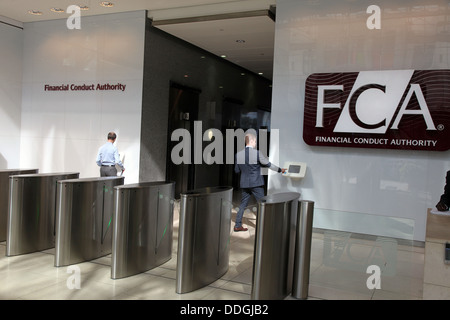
(303, 249)
(143, 227)
(274, 246)
(32, 210)
(4, 195)
(84, 219)
(204, 235)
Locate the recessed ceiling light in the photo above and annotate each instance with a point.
(223, 56)
(57, 10)
(106, 4)
(35, 12)
(260, 73)
(240, 41)
(84, 8)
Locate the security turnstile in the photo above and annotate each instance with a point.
(143, 227)
(4, 195)
(303, 249)
(83, 219)
(273, 260)
(31, 212)
(204, 235)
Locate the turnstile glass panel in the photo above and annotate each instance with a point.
(32, 210)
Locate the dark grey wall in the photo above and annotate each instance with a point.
(168, 59)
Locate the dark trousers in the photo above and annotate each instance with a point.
(257, 192)
(106, 171)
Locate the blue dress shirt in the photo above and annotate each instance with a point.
(108, 155)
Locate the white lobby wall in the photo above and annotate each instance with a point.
(332, 36)
(62, 130)
(11, 50)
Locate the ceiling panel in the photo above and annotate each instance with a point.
(247, 42)
(241, 30)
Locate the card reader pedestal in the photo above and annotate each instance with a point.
(295, 170)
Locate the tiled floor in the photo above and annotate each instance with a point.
(337, 272)
(339, 263)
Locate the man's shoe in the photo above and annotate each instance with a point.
(240, 229)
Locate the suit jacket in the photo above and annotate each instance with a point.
(248, 162)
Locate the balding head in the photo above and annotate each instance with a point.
(250, 140)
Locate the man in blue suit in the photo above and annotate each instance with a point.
(248, 162)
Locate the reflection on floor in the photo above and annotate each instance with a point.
(338, 271)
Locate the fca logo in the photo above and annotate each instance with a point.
(373, 105)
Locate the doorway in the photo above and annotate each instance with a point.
(183, 111)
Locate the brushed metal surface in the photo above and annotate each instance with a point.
(204, 236)
(303, 240)
(273, 262)
(143, 227)
(4, 195)
(32, 211)
(84, 214)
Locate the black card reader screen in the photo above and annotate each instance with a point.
(294, 169)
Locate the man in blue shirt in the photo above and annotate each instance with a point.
(249, 162)
(108, 157)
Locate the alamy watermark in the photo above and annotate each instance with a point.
(220, 149)
(374, 21)
(74, 21)
(74, 280)
(374, 280)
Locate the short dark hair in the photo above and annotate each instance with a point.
(111, 136)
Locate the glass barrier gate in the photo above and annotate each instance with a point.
(364, 256)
